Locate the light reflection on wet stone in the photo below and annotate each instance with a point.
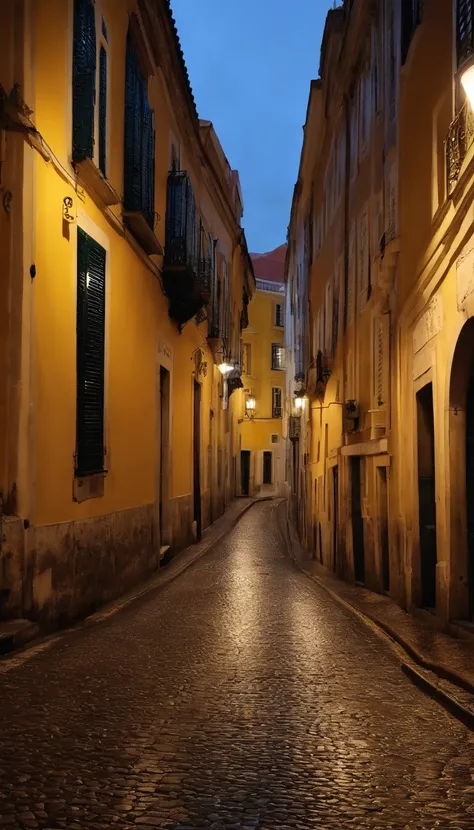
(240, 696)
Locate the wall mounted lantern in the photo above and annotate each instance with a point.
(467, 81)
(225, 368)
(299, 400)
(250, 406)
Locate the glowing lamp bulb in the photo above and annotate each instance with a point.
(467, 80)
(250, 403)
(225, 368)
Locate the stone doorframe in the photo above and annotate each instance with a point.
(458, 380)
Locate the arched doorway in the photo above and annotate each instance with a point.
(461, 457)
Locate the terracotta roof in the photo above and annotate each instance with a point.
(181, 55)
(270, 266)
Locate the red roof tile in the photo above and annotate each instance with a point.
(270, 266)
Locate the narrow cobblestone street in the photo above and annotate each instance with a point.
(240, 696)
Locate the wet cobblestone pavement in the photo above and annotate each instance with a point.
(238, 696)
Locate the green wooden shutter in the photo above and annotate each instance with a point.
(90, 360)
(103, 110)
(83, 80)
(139, 162)
(133, 126)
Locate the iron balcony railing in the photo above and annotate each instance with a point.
(294, 427)
(182, 238)
(267, 285)
(188, 260)
(277, 412)
(460, 139)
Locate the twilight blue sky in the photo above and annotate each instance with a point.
(250, 63)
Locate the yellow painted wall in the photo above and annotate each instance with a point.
(137, 310)
(260, 334)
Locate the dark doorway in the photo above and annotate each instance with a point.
(357, 521)
(335, 514)
(427, 495)
(197, 458)
(470, 489)
(383, 519)
(245, 472)
(164, 451)
(267, 467)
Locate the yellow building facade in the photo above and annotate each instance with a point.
(262, 453)
(379, 278)
(125, 278)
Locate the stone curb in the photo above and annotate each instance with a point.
(451, 704)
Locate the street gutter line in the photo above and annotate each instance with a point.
(398, 647)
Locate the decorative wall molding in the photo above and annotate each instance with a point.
(429, 324)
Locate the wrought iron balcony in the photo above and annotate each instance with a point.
(459, 140)
(294, 427)
(187, 266)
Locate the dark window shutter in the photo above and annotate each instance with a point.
(90, 357)
(132, 172)
(464, 30)
(83, 80)
(148, 162)
(103, 110)
(139, 161)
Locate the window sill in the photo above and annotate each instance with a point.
(91, 178)
(89, 487)
(140, 229)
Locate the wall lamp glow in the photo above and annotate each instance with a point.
(250, 406)
(467, 81)
(225, 368)
(299, 401)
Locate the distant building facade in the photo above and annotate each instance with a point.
(262, 450)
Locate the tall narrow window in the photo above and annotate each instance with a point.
(279, 315)
(139, 162)
(83, 80)
(464, 30)
(246, 359)
(90, 355)
(277, 409)
(411, 17)
(102, 110)
(278, 356)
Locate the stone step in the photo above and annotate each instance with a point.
(16, 633)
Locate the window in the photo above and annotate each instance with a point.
(83, 80)
(277, 409)
(175, 162)
(102, 109)
(246, 359)
(464, 30)
(275, 439)
(139, 161)
(279, 315)
(90, 79)
(411, 17)
(90, 355)
(278, 356)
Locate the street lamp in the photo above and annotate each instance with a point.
(467, 81)
(299, 401)
(225, 368)
(250, 406)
